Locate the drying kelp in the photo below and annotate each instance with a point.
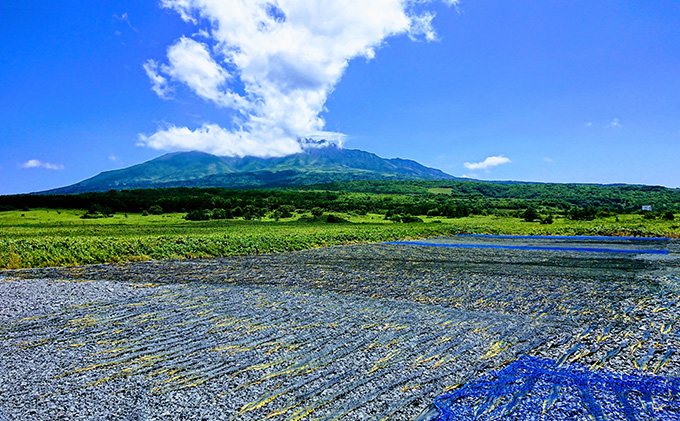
(356, 332)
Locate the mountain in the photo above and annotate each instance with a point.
(312, 166)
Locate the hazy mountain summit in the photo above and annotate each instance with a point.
(318, 163)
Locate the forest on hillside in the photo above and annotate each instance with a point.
(433, 198)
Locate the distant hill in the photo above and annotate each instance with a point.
(313, 166)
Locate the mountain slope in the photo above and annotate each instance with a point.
(313, 166)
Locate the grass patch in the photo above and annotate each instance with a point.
(440, 190)
(42, 238)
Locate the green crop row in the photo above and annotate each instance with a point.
(78, 250)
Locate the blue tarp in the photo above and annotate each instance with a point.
(500, 246)
(540, 389)
(564, 237)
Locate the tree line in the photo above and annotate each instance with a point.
(394, 199)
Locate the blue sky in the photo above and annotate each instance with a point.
(572, 91)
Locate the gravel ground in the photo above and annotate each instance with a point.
(354, 332)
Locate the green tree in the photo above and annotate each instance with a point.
(219, 213)
(285, 211)
(530, 215)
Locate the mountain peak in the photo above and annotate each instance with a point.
(309, 144)
(320, 162)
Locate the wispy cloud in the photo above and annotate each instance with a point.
(489, 162)
(126, 19)
(274, 63)
(614, 123)
(34, 163)
(159, 84)
(547, 159)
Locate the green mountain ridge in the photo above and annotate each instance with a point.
(313, 166)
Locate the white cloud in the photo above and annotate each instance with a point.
(614, 123)
(489, 162)
(274, 62)
(422, 25)
(329, 137)
(34, 163)
(192, 65)
(547, 159)
(159, 84)
(214, 139)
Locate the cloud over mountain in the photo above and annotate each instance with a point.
(274, 62)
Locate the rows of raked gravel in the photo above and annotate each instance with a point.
(355, 332)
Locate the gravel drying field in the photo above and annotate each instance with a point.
(353, 332)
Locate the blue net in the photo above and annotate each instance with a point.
(540, 389)
(510, 247)
(563, 237)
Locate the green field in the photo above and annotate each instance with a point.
(41, 238)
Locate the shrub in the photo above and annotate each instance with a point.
(97, 211)
(433, 212)
(582, 214)
(155, 210)
(404, 219)
(333, 219)
(285, 211)
(393, 217)
(530, 215)
(219, 213)
(198, 215)
(456, 211)
(89, 215)
(14, 260)
(668, 216)
(408, 219)
(317, 211)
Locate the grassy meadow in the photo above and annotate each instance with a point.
(49, 237)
